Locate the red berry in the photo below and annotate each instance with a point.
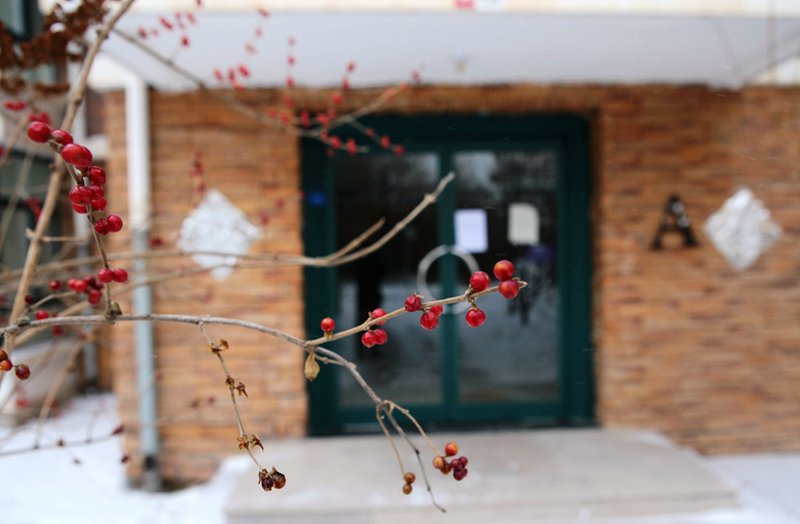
(97, 175)
(479, 281)
(101, 226)
(94, 296)
(97, 191)
(57, 331)
(437, 309)
(80, 195)
(439, 462)
(429, 320)
(77, 285)
(6, 365)
(39, 132)
(23, 372)
(327, 325)
(509, 288)
(99, 204)
(413, 303)
(114, 223)
(460, 473)
(451, 449)
(14, 105)
(39, 117)
(61, 136)
(369, 339)
(77, 155)
(378, 313)
(504, 270)
(42, 314)
(3, 354)
(29, 299)
(380, 336)
(475, 317)
(55, 285)
(120, 275)
(80, 209)
(105, 275)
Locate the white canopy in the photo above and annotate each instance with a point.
(463, 47)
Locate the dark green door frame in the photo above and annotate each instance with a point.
(448, 133)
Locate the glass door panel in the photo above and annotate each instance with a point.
(514, 357)
(408, 368)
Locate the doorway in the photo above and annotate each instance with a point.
(521, 192)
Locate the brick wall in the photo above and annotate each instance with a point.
(684, 344)
(254, 168)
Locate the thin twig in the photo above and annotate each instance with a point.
(13, 139)
(388, 406)
(243, 437)
(19, 187)
(406, 413)
(379, 415)
(60, 444)
(234, 103)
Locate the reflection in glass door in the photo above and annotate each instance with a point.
(514, 356)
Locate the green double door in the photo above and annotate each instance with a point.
(521, 192)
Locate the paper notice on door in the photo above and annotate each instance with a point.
(471, 231)
(523, 224)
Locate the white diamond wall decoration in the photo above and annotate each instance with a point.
(742, 229)
(217, 226)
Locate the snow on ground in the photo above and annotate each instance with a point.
(48, 487)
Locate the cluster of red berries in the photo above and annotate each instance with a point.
(85, 199)
(22, 371)
(107, 275)
(375, 336)
(271, 479)
(88, 285)
(509, 286)
(458, 465)
(430, 315)
(409, 479)
(479, 281)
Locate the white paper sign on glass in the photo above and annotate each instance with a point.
(471, 230)
(523, 224)
(742, 229)
(217, 226)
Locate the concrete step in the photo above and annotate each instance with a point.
(514, 476)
